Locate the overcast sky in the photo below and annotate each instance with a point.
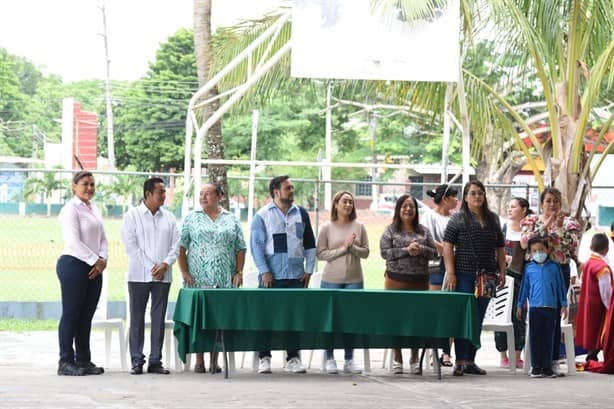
(63, 36)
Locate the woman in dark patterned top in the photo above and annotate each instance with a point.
(407, 247)
(473, 241)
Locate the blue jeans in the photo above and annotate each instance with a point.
(290, 283)
(79, 300)
(349, 352)
(465, 283)
(556, 350)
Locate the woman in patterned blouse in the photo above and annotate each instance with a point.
(561, 232)
(407, 246)
(473, 242)
(212, 249)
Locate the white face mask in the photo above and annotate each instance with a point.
(540, 256)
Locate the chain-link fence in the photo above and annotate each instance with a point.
(31, 239)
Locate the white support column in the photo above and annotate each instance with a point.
(252, 180)
(464, 120)
(445, 147)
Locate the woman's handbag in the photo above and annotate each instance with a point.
(486, 284)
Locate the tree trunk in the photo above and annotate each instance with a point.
(204, 54)
(492, 169)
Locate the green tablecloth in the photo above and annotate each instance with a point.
(263, 319)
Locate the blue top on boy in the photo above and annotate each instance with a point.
(542, 283)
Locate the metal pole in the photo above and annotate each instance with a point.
(326, 170)
(374, 188)
(252, 179)
(110, 139)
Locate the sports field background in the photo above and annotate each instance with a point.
(30, 246)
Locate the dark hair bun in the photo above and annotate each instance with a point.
(431, 193)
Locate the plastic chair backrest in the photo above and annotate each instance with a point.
(500, 308)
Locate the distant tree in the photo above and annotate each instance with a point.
(45, 186)
(150, 115)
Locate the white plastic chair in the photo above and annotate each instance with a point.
(101, 320)
(169, 337)
(498, 317)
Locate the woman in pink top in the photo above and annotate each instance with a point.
(79, 270)
(342, 243)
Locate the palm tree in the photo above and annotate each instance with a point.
(567, 46)
(45, 185)
(204, 57)
(126, 187)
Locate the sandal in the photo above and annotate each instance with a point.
(199, 368)
(445, 362)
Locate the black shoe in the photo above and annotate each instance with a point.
(549, 373)
(70, 369)
(90, 368)
(137, 370)
(159, 369)
(215, 369)
(458, 370)
(536, 373)
(199, 368)
(473, 369)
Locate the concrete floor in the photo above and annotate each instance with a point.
(28, 380)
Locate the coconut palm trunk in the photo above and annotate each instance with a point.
(204, 54)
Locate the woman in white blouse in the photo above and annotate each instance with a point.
(79, 270)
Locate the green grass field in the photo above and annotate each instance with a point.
(29, 248)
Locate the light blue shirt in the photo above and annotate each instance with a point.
(283, 244)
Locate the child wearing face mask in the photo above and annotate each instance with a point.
(543, 286)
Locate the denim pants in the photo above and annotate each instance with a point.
(349, 352)
(556, 350)
(79, 300)
(291, 283)
(465, 283)
(542, 322)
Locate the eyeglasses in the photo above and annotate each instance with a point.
(475, 193)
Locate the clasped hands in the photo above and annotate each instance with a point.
(414, 248)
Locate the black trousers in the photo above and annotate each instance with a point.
(79, 300)
(542, 322)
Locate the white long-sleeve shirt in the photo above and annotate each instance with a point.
(149, 240)
(83, 231)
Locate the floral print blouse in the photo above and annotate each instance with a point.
(562, 236)
(212, 247)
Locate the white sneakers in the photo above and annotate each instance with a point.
(414, 368)
(265, 365)
(397, 367)
(294, 365)
(350, 367)
(331, 367)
